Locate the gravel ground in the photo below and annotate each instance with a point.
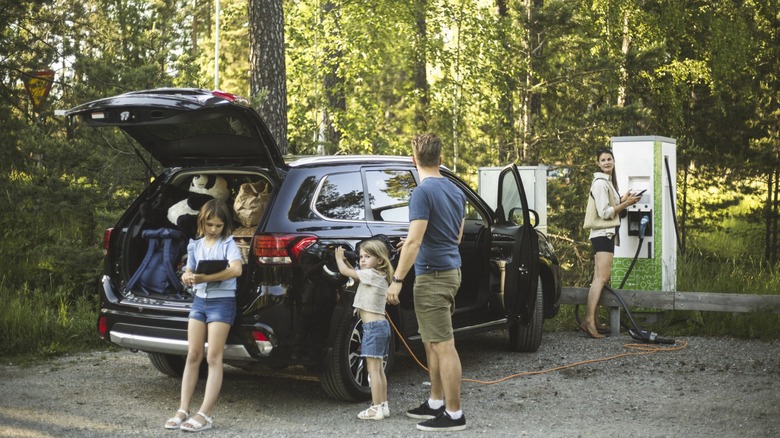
(713, 387)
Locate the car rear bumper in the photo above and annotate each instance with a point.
(160, 326)
(150, 344)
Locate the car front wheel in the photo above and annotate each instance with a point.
(346, 374)
(528, 338)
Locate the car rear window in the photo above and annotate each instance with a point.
(216, 124)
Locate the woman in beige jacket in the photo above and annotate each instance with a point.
(605, 197)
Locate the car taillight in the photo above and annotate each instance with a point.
(103, 327)
(231, 97)
(264, 345)
(280, 249)
(107, 240)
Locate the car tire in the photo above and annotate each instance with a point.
(528, 338)
(173, 366)
(346, 375)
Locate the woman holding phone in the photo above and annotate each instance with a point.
(602, 217)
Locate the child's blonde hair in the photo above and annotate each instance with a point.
(379, 250)
(215, 208)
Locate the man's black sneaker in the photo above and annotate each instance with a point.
(443, 422)
(424, 412)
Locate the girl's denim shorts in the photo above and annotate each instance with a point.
(376, 338)
(214, 310)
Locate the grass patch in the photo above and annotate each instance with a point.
(40, 324)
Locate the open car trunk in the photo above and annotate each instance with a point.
(148, 263)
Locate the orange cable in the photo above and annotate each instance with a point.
(642, 350)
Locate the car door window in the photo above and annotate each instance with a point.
(341, 197)
(472, 213)
(388, 194)
(512, 206)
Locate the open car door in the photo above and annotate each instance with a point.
(522, 270)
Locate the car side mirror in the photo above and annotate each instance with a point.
(516, 217)
(534, 218)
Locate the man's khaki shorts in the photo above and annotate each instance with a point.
(434, 303)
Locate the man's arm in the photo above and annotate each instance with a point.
(409, 252)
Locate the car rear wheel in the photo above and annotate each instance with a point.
(528, 338)
(346, 374)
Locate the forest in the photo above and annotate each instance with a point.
(524, 81)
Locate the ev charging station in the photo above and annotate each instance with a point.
(647, 163)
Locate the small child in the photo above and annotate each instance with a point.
(374, 275)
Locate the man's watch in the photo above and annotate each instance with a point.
(397, 280)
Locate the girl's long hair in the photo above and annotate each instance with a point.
(379, 250)
(215, 208)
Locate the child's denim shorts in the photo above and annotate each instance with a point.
(214, 310)
(376, 338)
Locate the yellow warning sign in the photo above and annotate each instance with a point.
(38, 85)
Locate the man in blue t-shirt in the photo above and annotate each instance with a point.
(436, 216)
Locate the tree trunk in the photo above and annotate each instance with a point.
(505, 138)
(775, 203)
(621, 98)
(530, 105)
(333, 85)
(420, 66)
(768, 213)
(684, 218)
(268, 75)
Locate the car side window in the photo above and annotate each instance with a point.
(510, 200)
(341, 197)
(471, 211)
(388, 194)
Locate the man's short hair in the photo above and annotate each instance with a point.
(427, 149)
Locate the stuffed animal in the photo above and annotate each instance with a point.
(184, 213)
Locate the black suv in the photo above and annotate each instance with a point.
(292, 308)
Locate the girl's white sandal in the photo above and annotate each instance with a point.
(197, 426)
(175, 422)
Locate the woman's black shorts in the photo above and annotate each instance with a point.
(603, 244)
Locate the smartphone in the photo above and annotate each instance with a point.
(640, 192)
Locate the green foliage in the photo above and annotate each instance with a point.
(45, 322)
(721, 266)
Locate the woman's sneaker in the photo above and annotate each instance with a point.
(443, 422)
(424, 412)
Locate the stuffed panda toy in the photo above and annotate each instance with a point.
(203, 188)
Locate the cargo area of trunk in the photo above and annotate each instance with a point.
(131, 248)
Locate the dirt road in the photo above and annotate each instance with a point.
(714, 387)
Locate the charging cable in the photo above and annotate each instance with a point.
(637, 350)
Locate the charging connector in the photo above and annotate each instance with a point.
(643, 225)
